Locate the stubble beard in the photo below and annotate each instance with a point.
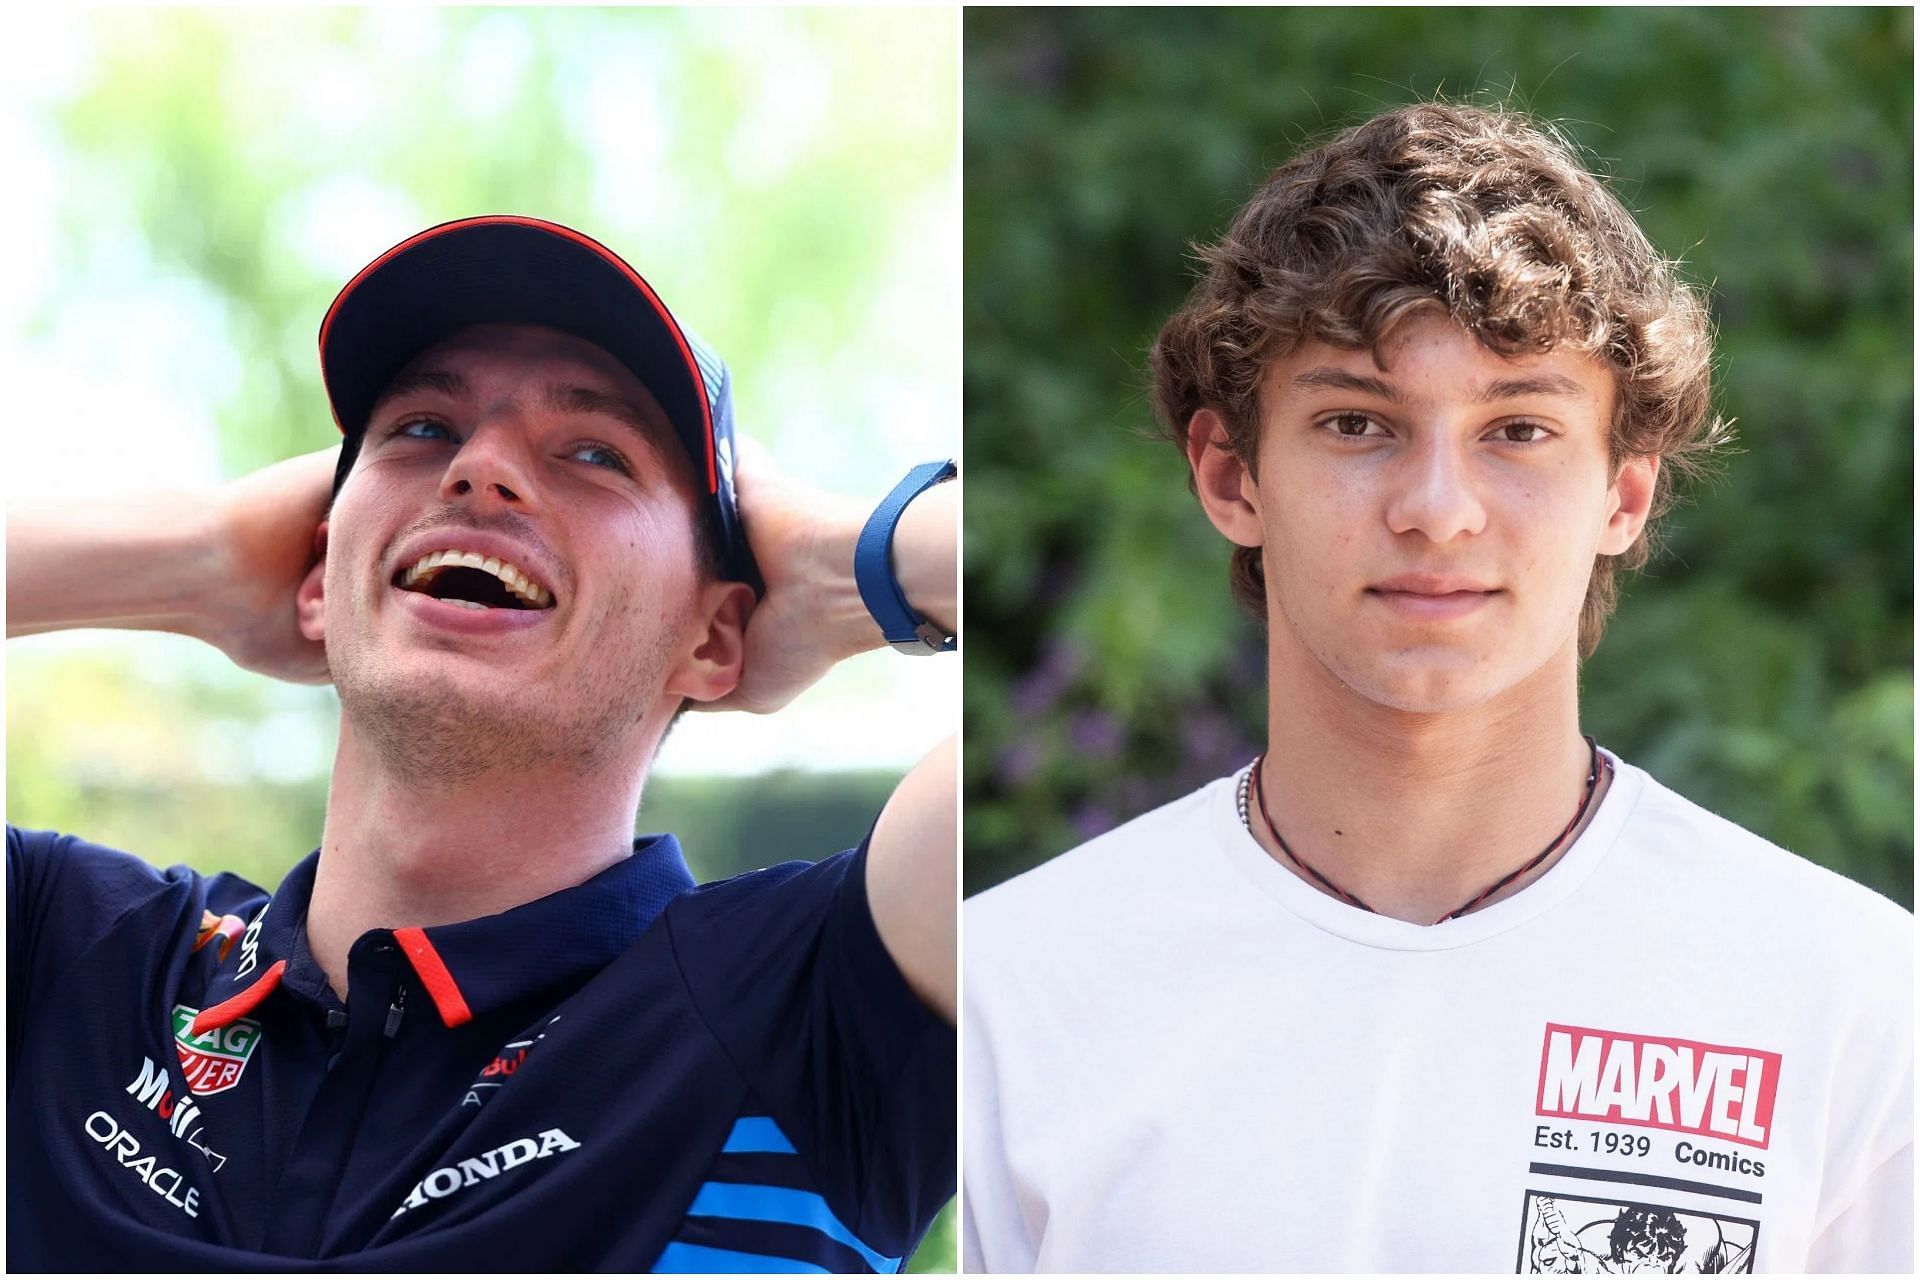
(433, 732)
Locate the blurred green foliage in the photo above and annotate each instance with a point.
(942, 1245)
(1762, 666)
(243, 164)
(736, 157)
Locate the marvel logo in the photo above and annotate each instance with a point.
(1715, 1090)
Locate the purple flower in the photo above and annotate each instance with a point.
(1035, 693)
(1018, 764)
(1090, 820)
(1213, 743)
(1096, 734)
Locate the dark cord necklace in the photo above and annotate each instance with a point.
(1251, 782)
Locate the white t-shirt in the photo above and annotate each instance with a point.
(1680, 1044)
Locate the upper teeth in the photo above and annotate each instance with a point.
(511, 574)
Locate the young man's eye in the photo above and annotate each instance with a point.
(1522, 433)
(1355, 425)
(600, 455)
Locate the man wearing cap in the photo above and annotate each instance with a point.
(482, 1026)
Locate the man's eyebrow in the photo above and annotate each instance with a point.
(565, 398)
(444, 381)
(1533, 384)
(1327, 378)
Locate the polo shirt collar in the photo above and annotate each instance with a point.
(473, 966)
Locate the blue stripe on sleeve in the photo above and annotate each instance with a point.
(758, 1133)
(681, 1258)
(781, 1204)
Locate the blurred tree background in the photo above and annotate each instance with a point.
(205, 181)
(1762, 666)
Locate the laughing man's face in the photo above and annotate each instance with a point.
(541, 457)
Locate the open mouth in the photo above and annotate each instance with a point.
(475, 581)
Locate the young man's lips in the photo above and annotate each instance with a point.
(1431, 604)
(445, 615)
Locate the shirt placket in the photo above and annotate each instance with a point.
(360, 1039)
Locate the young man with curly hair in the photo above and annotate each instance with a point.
(1436, 982)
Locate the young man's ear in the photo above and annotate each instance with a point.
(1227, 492)
(309, 598)
(711, 669)
(1632, 502)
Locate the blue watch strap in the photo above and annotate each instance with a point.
(904, 629)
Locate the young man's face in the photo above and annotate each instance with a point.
(535, 448)
(1429, 531)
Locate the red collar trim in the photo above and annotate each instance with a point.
(435, 975)
(239, 1006)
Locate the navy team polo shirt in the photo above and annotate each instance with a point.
(633, 1074)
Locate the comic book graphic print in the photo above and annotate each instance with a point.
(1572, 1235)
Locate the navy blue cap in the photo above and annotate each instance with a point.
(504, 269)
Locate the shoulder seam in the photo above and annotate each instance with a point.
(693, 1001)
(926, 1035)
(113, 924)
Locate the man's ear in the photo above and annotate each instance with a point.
(309, 598)
(711, 669)
(1632, 503)
(1227, 492)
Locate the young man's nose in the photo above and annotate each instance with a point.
(1434, 494)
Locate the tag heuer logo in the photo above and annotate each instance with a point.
(213, 1060)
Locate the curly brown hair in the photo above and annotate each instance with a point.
(1484, 215)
